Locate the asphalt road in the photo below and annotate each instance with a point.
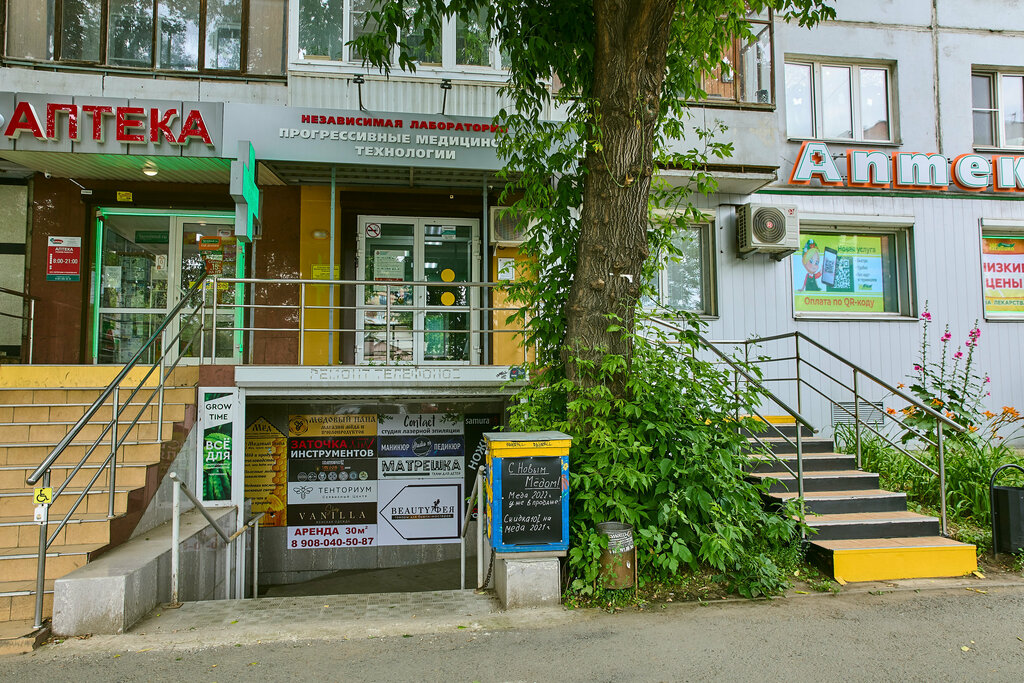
(901, 636)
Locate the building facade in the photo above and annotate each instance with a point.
(145, 143)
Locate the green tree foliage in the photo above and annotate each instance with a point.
(600, 92)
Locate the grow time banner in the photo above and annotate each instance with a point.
(217, 423)
(837, 273)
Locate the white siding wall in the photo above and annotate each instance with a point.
(755, 296)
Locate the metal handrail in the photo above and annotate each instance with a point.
(799, 420)
(31, 317)
(382, 330)
(116, 382)
(474, 497)
(859, 372)
(112, 391)
(253, 525)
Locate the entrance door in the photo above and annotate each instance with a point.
(146, 262)
(428, 324)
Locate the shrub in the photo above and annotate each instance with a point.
(668, 460)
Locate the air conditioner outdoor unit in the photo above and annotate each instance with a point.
(768, 229)
(506, 230)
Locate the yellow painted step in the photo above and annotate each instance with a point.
(884, 559)
(45, 376)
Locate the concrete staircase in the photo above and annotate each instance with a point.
(38, 406)
(864, 533)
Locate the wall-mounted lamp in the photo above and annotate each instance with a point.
(359, 80)
(150, 169)
(446, 85)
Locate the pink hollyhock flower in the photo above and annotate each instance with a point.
(969, 343)
(917, 368)
(926, 316)
(958, 355)
(987, 379)
(946, 337)
(975, 333)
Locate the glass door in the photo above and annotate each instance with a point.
(429, 324)
(134, 276)
(388, 256)
(208, 245)
(146, 261)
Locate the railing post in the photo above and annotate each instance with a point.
(387, 325)
(800, 474)
(31, 329)
(227, 570)
(302, 323)
(942, 479)
(112, 478)
(213, 325)
(256, 559)
(799, 391)
(160, 395)
(175, 539)
(41, 560)
(856, 416)
(480, 531)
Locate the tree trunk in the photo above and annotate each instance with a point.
(631, 43)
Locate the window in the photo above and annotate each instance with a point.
(838, 101)
(747, 76)
(326, 27)
(1002, 274)
(851, 272)
(686, 280)
(202, 36)
(997, 107)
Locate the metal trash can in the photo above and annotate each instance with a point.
(1007, 514)
(618, 560)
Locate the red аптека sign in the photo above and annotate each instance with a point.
(63, 259)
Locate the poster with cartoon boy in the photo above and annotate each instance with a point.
(810, 258)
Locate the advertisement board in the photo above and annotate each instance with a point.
(1002, 272)
(366, 480)
(63, 259)
(217, 408)
(839, 273)
(266, 471)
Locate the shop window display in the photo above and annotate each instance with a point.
(842, 273)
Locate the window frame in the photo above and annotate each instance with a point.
(448, 68)
(995, 77)
(856, 113)
(902, 231)
(1012, 228)
(103, 63)
(709, 269)
(725, 103)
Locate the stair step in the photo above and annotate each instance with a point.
(128, 474)
(51, 434)
(779, 445)
(16, 502)
(23, 531)
(33, 454)
(775, 429)
(18, 600)
(813, 462)
(70, 413)
(835, 502)
(22, 563)
(834, 480)
(886, 559)
(857, 525)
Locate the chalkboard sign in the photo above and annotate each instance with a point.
(532, 492)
